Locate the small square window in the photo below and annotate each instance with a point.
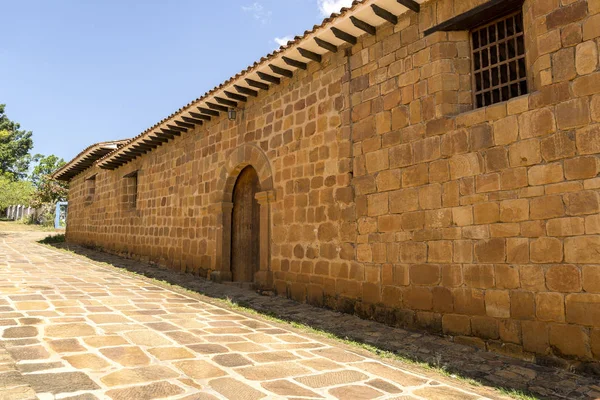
(90, 189)
(498, 60)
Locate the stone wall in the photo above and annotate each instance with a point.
(392, 198)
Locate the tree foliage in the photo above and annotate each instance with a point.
(48, 190)
(15, 145)
(15, 192)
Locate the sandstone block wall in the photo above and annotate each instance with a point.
(393, 198)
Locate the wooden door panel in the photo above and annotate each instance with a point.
(245, 227)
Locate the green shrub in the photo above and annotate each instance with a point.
(60, 238)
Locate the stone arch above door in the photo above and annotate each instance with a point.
(238, 159)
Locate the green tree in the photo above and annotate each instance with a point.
(48, 190)
(15, 145)
(15, 192)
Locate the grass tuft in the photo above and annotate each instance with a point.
(59, 238)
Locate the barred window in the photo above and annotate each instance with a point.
(498, 58)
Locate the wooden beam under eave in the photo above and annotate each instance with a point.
(235, 96)
(326, 45)
(226, 102)
(205, 111)
(257, 84)
(217, 107)
(202, 116)
(195, 121)
(385, 14)
(281, 71)
(411, 5)
(362, 25)
(268, 78)
(168, 133)
(245, 90)
(176, 128)
(294, 63)
(184, 124)
(311, 55)
(346, 37)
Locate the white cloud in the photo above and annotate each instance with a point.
(258, 12)
(328, 7)
(282, 41)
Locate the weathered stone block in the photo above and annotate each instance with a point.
(497, 303)
(569, 340)
(563, 278)
(550, 307)
(491, 250)
(583, 309)
(546, 250)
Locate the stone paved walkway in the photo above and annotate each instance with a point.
(71, 328)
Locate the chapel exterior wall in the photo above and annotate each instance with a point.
(393, 198)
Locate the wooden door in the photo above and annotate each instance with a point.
(245, 225)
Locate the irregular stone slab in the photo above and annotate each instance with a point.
(321, 364)
(28, 353)
(273, 356)
(20, 332)
(138, 375)
(231, 360)
(31, 305)
(104, 341)
(199, 369)
(87, 361)
(332, 378)
(234, 389)
(443, 393)
(338, 355)
(60, 382)
(147, 338)
(108, 318)
(287, 388)
(272, 371)
(9, 379)
(85, 396)
(26, 297)
(39, 366)
(385, 386)
(69, 330)
(200, 396)
(355, 392)
(383, 371)
(208, 348)
(66, 346)
(171, 353)
(245, 347)
(224, 339)
(153, 391)
(162, 326)
(182, 337)
(18, 393)
(20, 342)
(130, 356)
(30, 321)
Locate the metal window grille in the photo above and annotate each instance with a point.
(498, 60)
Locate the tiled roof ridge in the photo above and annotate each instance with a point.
(118, 142)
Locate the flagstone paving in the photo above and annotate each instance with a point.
(74, 329)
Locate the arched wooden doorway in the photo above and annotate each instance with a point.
(245, 225)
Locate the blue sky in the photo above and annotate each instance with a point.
(77, 72)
